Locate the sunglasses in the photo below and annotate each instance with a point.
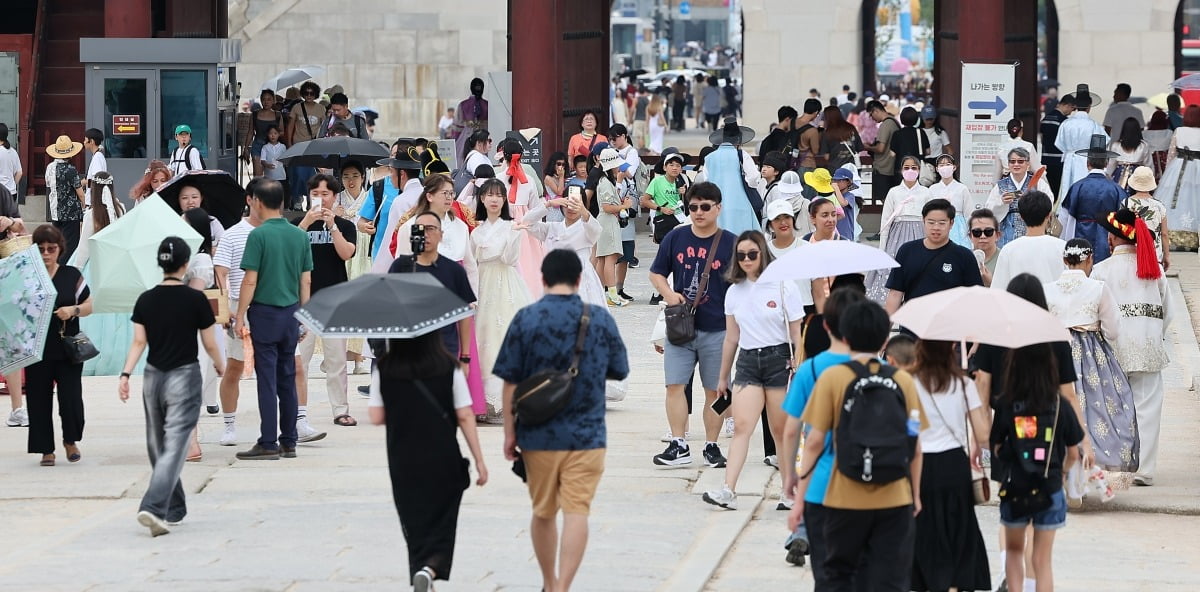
(981, 232)
(747, 256)
(1017, 161)
(704, 207)
(48, 248)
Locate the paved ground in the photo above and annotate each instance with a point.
(325, 521)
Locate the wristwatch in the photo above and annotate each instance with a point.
(125, 375)
(464, 359)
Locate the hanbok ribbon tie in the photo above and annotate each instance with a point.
(1186, 156)
(516, 176)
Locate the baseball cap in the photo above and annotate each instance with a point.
(183, 128)
(929, 112)
(778, 208)
(610, 159)
(599, 147)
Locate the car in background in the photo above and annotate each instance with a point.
(654, 82)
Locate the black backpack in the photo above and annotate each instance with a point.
(1024, 478)
(186, 161)
(872, 440)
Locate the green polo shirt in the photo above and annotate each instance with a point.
(279, 252)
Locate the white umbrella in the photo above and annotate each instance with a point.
(293, 76)
(827, 258)
(980, 315)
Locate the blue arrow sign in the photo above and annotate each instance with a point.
(999, 105)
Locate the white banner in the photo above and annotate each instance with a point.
(987, 105)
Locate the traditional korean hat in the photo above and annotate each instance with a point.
(1084, 98)
(1097, 148)
(731, 133)
(63, 147)
(1124, 223)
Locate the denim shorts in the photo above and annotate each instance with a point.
(767, 367)
(679, 361)
(1052, 518)
(256, 147)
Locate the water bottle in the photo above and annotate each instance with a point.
(914, 423)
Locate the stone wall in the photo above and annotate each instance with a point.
(409, 59)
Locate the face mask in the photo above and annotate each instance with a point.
(946, 171)
(910, 175)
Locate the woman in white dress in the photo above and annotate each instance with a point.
(957, 194)
(578, 231)
(1179, 188)
(355, 193)
(608, 247)
(657, 124)
(496, 245)
(201, 276)
(901, 222)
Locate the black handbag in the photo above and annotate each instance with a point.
(681, 318)
(79, 347)
(540, 397)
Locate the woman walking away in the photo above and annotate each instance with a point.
(1028, 467)
(1132, 152)
(166, 319)
(1179, 187)
(1088, 309)
(949, 552)
(762, 324)
(55, 369)
(420, 393)
(1151, 211)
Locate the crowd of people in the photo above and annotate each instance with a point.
(534, 252)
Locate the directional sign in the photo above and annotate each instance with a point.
(127, 125)
(987, 93)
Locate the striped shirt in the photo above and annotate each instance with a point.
(229, 255)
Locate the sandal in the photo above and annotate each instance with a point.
(47, 460)
(345, 420)
(73, 454)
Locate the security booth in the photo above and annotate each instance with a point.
(139, 90)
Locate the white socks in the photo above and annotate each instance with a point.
(230, 418)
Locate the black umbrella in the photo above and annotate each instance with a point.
(330, 153)
(224, 199)
(394, 305)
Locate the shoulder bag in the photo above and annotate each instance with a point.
(540, 397)
(981, 486)
(219, 303)
(681, 318)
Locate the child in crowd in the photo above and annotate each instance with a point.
(900, 351)
(272, 168)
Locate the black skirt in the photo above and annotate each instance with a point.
(949, 551)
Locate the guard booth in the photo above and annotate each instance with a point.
(139, 90)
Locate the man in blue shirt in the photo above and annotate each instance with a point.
(809, 513)
(564, 457)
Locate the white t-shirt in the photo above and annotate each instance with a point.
(1041, 256)
(270, 155)
(759, 312)
(462, 394)
(10, 166)
(803, 287)
(229, 255)
(476, 158)
(947, 415)
(445, 122)
(937, 142)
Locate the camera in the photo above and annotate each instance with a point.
(417, 239)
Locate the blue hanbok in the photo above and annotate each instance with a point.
(723, 169)
(1089, 199)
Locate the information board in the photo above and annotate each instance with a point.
(987, 105)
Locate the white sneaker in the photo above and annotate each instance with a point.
(307, 433)
(785, 503)
(157, 525)
(229, 436)
(723, 497)
(18, 418)
(728, 430)
(771, 461)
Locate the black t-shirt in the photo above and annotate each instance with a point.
(72, 290)
(172, 314)
(593, 179)
(906, 143)
(925, 271)
(990, 359)
(328, 267)
(452, 276)
(1009, 420)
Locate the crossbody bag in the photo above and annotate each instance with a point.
(540, 397)
(681, 318)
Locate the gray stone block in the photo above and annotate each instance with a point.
(437, 47)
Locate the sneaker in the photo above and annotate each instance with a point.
(772, 461)
(713, 457)
(667, 436)
(625, 297)
(257, 452)
(157, 525)
(364, 392)
(727, 431)
(785, 503)
(287, 451)
(19, 418)
(618, 302)
(796, 550)
(655, 299)
(1143, 480)
(635, 263)
(307, 433)
(212, 409)
(675, 455)
(423, 580)
(723, 497)
(229, 436)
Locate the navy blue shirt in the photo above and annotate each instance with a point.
(542, 337)
(681, 256)
(453, 277)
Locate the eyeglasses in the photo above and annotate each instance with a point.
(1017, 161)
(929, 222)
(982, 232)
(747, 255)
(704, 206)
(445, 193)
(48, 248)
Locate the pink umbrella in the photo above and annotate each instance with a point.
(900, 66)
(980, 315)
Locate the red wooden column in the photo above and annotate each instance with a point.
(967, 31)
(534, 61)
(127, 19)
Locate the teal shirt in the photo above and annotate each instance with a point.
(279, 252)
(797, 398)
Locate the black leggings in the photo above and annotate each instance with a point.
(40, 380)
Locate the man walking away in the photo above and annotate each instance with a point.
(278, 266)
(1036, 253)
(564, 457)
(883, 165)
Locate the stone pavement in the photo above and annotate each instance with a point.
(325, 520)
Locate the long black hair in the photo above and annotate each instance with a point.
(1030, 372)
(480, 210)
(1131, 134)
(560, 156)
(419, 357)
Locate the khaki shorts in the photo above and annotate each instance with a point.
(565, 479)
(234, 350)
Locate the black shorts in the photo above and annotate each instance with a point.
(627, 248)
(767, 367)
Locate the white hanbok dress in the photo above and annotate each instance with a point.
(579, 237)
(501, 292)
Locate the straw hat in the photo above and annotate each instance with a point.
(64, 148)
(1142, 179)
